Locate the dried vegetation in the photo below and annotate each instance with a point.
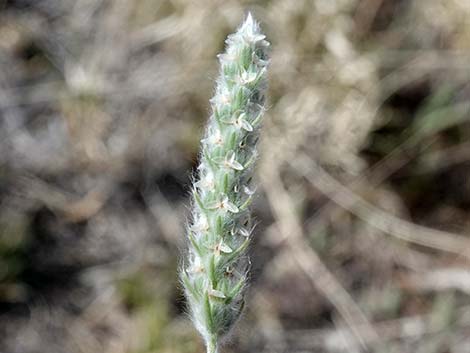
(363, 238)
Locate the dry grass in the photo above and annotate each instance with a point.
(362, 243)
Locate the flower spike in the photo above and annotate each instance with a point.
(214, 275)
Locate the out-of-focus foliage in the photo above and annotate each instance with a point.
(102, 105)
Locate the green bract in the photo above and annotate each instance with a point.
(215, 273)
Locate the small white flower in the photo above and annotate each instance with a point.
(228, 57)
(224, 204)
(222, 97)
(250, 31)
(229, 206)
(241, 122)
(244, 232)
(241, 231)
(207, 181)
(200, 224)
(247, 77)
(216, 293)
(231, 163)
(225, 98)
(264, 43)
(249, 191)
(196, 266)
(253, 37)
(222, 247)
(214, 138)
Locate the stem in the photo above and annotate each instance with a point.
(212, 345)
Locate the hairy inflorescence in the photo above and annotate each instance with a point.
(214, 274)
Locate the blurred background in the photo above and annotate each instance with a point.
(363, 179)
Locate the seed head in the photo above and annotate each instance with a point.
(215, 271)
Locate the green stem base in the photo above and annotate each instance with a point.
(212, 345)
